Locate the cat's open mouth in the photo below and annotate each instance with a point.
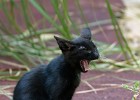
(84, 65)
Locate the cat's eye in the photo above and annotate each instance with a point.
(89, 51)
(82, 48)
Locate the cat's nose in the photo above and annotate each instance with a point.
(96, 55)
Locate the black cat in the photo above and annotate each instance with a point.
(59, 79)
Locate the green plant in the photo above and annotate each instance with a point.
(29, 47)
(135, 89)
(119, 34)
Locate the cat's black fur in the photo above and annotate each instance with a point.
(59, 79)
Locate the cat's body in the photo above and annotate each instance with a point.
(59, 79)
(49, 82)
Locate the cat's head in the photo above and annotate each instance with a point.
(80, 51)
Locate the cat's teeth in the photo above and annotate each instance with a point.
(84, 65)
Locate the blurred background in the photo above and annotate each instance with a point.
(27, 29)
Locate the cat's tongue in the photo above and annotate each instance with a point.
(84, 65)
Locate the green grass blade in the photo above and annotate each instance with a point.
(9, 17)
(62, 17)
(118, 30)
(81, 12)
(46, 15)
(115, 28)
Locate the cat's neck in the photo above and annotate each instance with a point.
(70, 69)
(70, 64)
(69, 61)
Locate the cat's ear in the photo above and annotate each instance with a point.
(86, 33)
(64, 45)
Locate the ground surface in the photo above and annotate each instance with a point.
(106, 86)
(95, 85)
(99, 85)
